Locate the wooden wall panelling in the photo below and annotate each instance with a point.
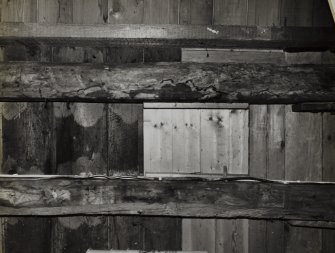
(125, 11)
(158, 133)
(296, 13)
(27, 149)
(123, 55)
(161, 11)
(196, 12)
(90, 11)
(53, 12)
(19, 11)
(264, 12)
(198, 234)
(125, 140)
(303, 161)
(230, 12)
(328, 161)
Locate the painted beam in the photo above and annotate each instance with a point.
(168, 82)
(169, 35)
(183, 197)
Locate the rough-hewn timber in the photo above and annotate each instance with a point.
(169, 197)
(177, 82)
(170, 35)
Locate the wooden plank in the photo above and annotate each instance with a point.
(198, 235)
(267, 200)
(231, 236)
(186, 138)
(230, 12)
(332, 7)
(303, 161)
(90, 11)
(168, 35)
(123, 55)
(53, 12)
(176, 82)
(19, 11)
(125, 11)
(314, 107)
(162, 54)
(27, 133)
(264, 12)
(160, 12)
(328, 173)
(233, 56)
(296, 13)
(125, 140)
(195, 106)
(196, 12)
(158, 148)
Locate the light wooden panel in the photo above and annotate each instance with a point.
(19, 11)
(160, 12)
(90, 11)
(158, 145)
(196, 12)
(233, 12)
(185, 140)
(332, 7)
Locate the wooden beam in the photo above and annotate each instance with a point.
(312, 224)
(168, 197)
(174, 82)
(314, 107)
(169, 35)
(332, 7)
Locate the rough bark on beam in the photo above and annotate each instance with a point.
(169, 35)
(177, 82)
(169, 197)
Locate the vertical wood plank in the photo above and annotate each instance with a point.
(157, 140)
(186, 141)
(125, 11)
(231, 236)
(161, 11)
(90, 11)
(296, 13)
(230, 12)
(52, 12)
(27, 149)
(303, 162)
(264, 12)
(125, 126)
(198, 234)
(196, 12)
(19, 11)
(328, 145)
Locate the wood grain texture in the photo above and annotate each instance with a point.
(264, 12)
(247, 199)
(230, 12)
(19, 11)
(125, 139)
(125, 11)
(169, 35)
(167, 82)
(90, 11)
(303, 161)
(196, 12)
(160, 12)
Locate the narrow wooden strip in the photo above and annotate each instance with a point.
(196, 106)
(312, 224)
(314, 107)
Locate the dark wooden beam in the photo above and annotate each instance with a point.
(167, 197)
(177, 82)
(170, 35)
(314, 107)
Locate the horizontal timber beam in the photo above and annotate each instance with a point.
(169, 36)
(314, 107)
(185, 197)
(168, 82)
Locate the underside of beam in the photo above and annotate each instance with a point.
(233, 198)
(163, 82)
(169, 35)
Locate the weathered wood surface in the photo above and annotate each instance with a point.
(168, 82)
(169, 35)
(314, 107)
(252, 199)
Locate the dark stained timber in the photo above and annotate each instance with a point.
(177, 82)
(168, 197)
(205, 36)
